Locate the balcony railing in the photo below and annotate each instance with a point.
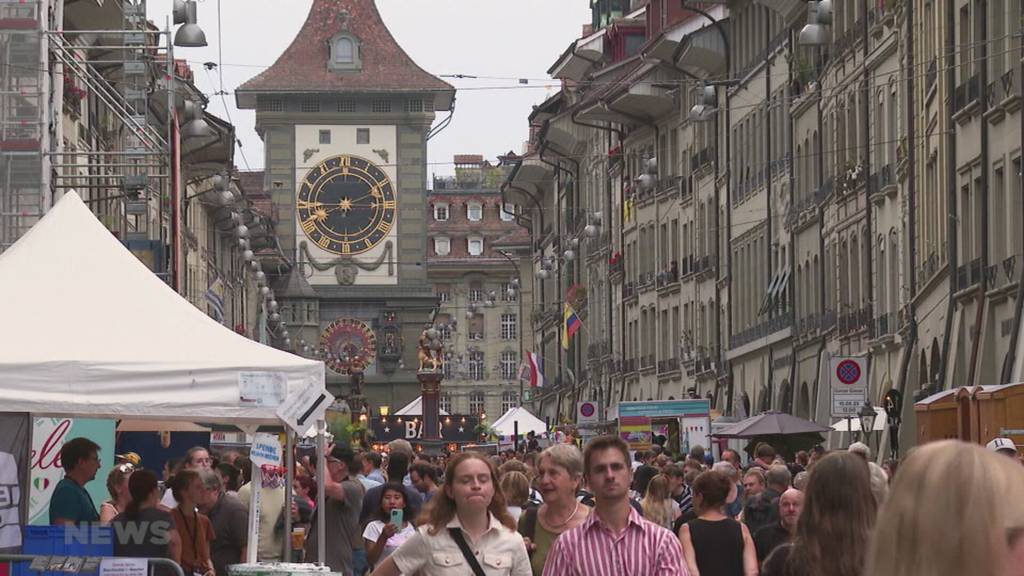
(761, 330)
(669, 276)
(668, 365)
(629, 365)
(969, 274)
(628, 290)
(965, 93)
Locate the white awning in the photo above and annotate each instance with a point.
(92, 332)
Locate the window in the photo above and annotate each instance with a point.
(509, 400)
(476, 367)
(475, 245)
(508, 212)
(325, 136)
(476, 403)
(508, 368)
(476, 327)
(509, 328)
(441, 212)
(446, 368)
(345, 51)
(310, 105)
(346, 106)
(476, 292)
(414, 105)
(442, 246)
(446, 402)
(444, 292)
(445, 330)
(271, 104)
(509, 293)
(381, 106)
(474, 212)
(362, 135)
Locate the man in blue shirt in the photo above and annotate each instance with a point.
(71, 503)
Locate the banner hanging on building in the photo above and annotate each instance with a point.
(454, 428)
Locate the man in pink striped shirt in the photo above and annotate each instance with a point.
(614, 539)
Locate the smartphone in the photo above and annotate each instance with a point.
(396, 518)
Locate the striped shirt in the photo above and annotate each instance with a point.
(642, 549)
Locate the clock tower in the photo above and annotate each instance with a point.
(345, 115)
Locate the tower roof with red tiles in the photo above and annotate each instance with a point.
(383, 67)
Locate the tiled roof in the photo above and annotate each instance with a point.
(303, 67)
(251, 182)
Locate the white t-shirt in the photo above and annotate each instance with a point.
(168, 500)
(374, 530)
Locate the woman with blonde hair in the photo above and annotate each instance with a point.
(985, 492)
(559, 473)
(657, 506)
(465, 527)
(120, 495)
(515, 487)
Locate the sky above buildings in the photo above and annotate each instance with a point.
(502, 43)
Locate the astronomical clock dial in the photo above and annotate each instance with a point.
(351, 346)
(346, 205)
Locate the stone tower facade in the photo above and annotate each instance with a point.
(345, 115)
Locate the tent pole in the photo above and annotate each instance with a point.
(289, 481)
(321, 471)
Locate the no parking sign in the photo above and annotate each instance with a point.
(848, 377)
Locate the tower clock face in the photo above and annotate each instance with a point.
(346, 205)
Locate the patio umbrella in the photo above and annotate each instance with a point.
(771, 424)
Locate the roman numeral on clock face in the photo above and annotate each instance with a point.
(309, 225)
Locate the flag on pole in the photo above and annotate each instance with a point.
(532, 370)
(570, 326)
(215, 299)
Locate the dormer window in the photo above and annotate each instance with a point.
(345, 52)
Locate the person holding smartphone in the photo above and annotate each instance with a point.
(390, 527)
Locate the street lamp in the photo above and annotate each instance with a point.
(819, 19)
(867, 420)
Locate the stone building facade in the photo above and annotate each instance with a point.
(474, 263)
(765, 204)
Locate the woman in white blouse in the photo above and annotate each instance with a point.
(388, 530)
(469, 508)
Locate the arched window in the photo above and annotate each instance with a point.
(345, 51)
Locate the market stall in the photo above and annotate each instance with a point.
(94, 333)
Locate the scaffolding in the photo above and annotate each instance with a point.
(23, 97)
(111, 101)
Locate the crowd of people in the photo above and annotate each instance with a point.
(562, 511)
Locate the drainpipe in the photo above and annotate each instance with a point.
(951, 220)
(1011, 359)
(869, 241)
(982, 63)
(911, 335)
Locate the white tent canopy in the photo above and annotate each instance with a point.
(415, 408)
(91, 331)
(505, 426)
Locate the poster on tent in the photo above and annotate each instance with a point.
(48, 436)
(14, 432)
